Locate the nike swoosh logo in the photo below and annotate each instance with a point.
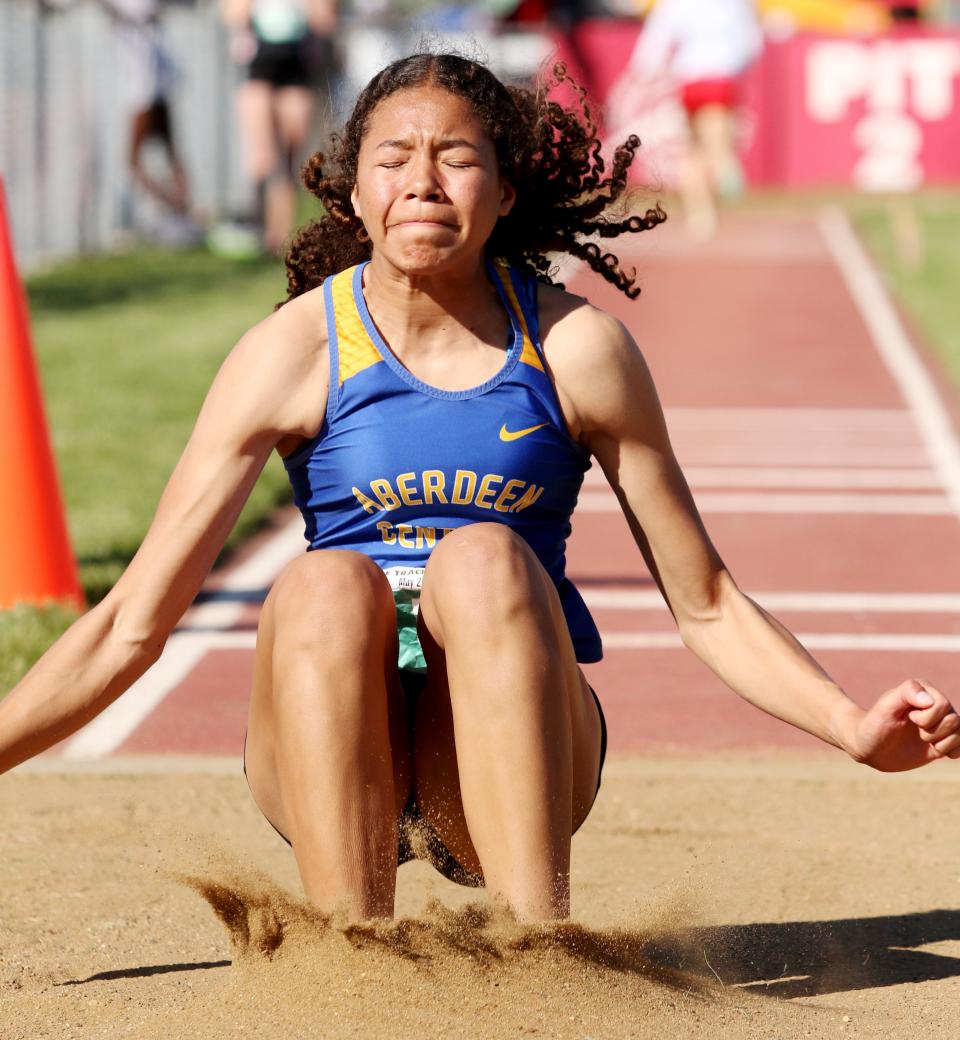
(507, 435)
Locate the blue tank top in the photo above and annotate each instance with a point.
(398, 463)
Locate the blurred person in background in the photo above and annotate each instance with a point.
(906, 227)
(705, 47)
(285, 45)
(147, 74)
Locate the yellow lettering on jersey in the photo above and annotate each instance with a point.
(408, 494)
(507, 495)
(368, 503)
(464, 485)
(488, 487)
(382, 489)
(410, 537)
(527, 499)
(433, 484)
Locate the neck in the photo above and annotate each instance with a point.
(411, 305)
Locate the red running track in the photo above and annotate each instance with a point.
(824, 493)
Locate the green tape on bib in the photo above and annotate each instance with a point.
(411, 656)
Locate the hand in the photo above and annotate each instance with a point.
(908, 727)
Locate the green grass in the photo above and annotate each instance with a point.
(127, 347)
(25, 632)
(929, 289)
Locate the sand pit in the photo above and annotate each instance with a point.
(719, 895)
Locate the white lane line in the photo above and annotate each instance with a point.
(813, 477)
(853, 641)
(258, 572)
(800, 420)
(894, 346)
(238, 639)
(184, 649)
(800, 602)
(193, 645)
(111, 727)
(787, 503)
(762, 452)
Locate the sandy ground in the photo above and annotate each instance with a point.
(774, 896)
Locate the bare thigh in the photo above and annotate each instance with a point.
(436, 768)
(300, 598)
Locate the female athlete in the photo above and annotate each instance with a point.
(436, 402)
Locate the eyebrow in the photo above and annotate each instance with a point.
(445, 145)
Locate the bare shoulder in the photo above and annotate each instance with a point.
(596, 365)
(279, 368)
(293, 334)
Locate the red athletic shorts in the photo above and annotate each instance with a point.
(702, 92)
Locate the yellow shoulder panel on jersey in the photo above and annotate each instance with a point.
(355, 349)
(528, 355)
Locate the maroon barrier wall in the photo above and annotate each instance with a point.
(879, 113)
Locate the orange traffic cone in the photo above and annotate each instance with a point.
(36, 564)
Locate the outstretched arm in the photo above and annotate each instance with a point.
(266, 390)
(618, 416)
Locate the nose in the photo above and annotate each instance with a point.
(424, 184)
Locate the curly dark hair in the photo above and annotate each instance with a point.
(548, 153)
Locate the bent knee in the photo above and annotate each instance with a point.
(331, 585)
(488, 569)
(483, 552)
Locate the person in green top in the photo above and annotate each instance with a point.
(284, 45)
